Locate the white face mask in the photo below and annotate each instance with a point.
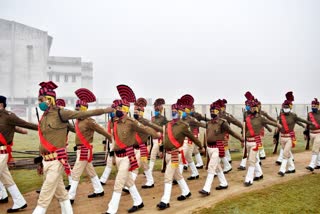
(286, 110)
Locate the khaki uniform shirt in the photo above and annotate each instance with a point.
(217, 128)
(180, 131)
(193, 122)
(126, 131)
(317, 118)
(230, 118)
(291, 119)
(54, 129)
(145, 122)
(159, 120)
(258, 123)
(8, 122)
(87, 128)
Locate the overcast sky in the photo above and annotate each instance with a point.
(210, 49)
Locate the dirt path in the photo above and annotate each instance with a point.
(151, 197)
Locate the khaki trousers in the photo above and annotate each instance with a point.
(155, 150)
(5, 175)
(315, 140)
(171, 172)
(123, 177)
(80, 166)
(53, 183)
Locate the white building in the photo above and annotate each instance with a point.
(24, 53)
(69, 73)
(25, 62)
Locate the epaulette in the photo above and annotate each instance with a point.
(222, 120)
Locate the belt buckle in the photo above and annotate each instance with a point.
(51, 156)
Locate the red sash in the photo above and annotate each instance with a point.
(284, 123)
(84, 141)
(61, 153)
(116, 137)
(183, 157)
(221, 149)
(313, 120)
(48, 146)
(9, 148)
(109, 127)
(249, 125)
(138, 139)
(3, 140)
(251, 131)
(286, 129)
(171, 137)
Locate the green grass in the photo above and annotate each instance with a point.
(300, 195)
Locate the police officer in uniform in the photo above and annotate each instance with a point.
(314, 118)
(109, 151)
(124, 131)
(188, 146)
(197, 155)
(226, 160)
(159, 120)
(216, 129)
(85, 128)
(175, 133)
(288, 120)
(141, 150)
(53, 127)
(8, 123)
(254, 123)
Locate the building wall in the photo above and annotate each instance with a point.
(87, 75)
(66, 73)
(23, 59)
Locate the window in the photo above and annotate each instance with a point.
(66, 78)
(73, 78)
(50, 77)
(58, 78)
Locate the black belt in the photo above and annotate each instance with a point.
(212, 143)
(119, 152)
(136, 146)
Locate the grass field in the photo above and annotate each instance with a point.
(296, 196)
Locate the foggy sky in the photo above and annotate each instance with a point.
(210, 49)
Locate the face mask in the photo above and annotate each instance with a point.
(314, 110)
(136, 116)
(111, 115)
(191, 113)
(175, 115)
(119, 113)
(248, 108)
(286, 110)
(184, 115)
(156, 113)
(213, 116)
(43, 106)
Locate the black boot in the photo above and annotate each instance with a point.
(94, 195)
(17, 209)
(135, 208)
(163, 206)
